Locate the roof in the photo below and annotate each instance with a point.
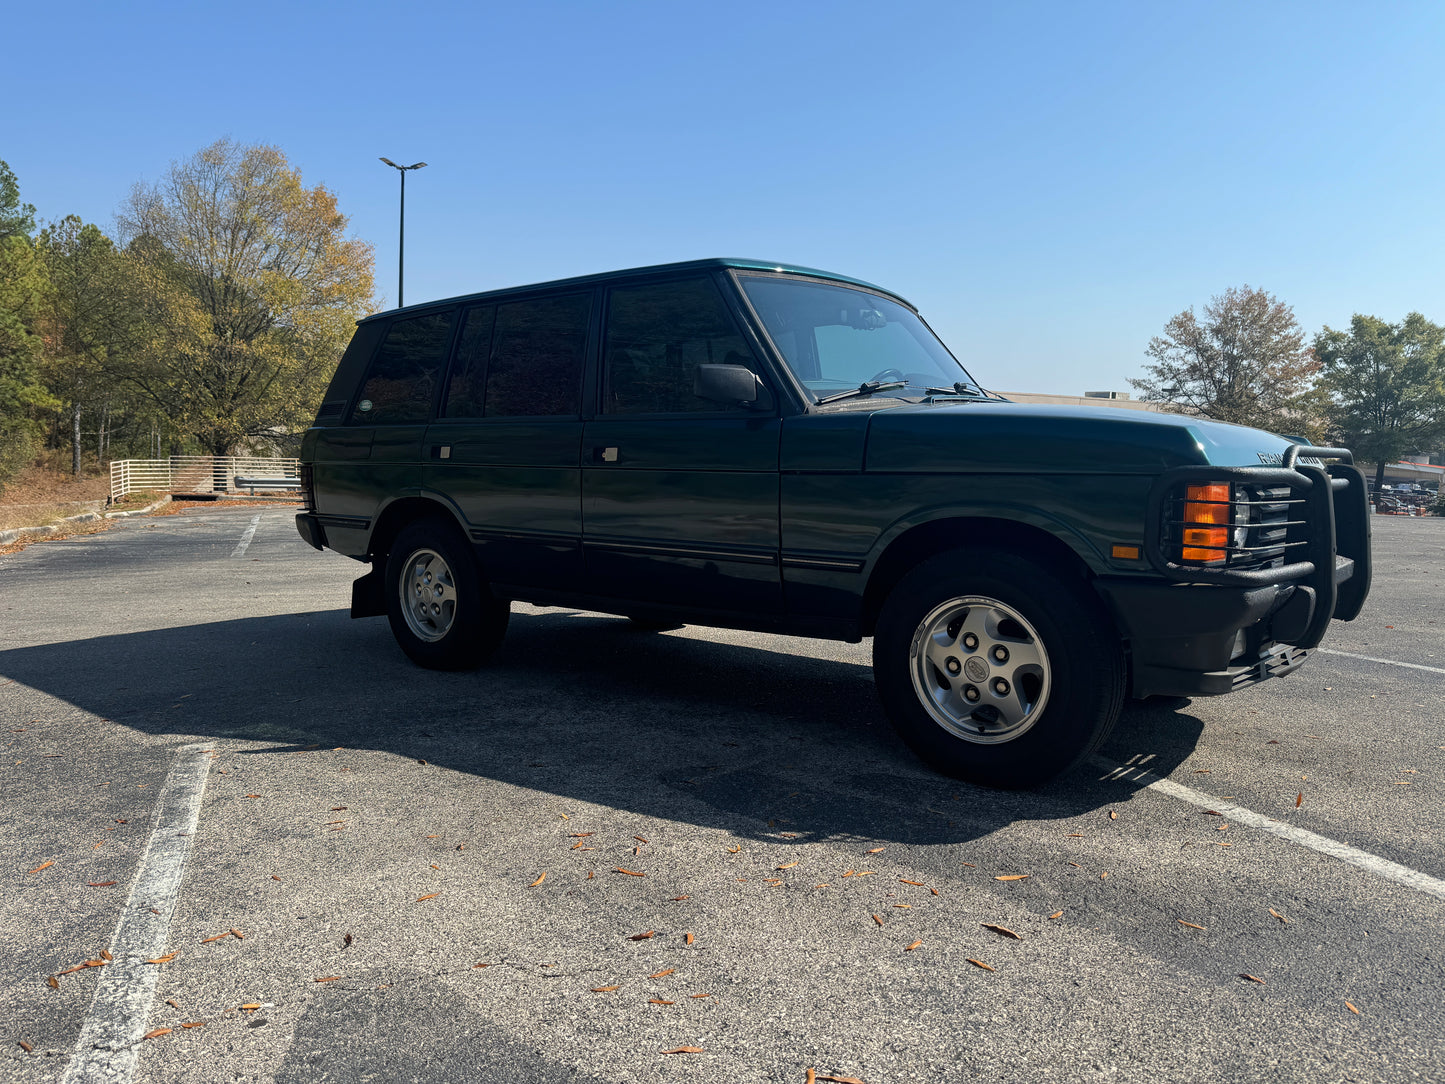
(712, 264)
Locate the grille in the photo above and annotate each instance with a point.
(1264, 526)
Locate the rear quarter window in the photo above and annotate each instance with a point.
(403, 375)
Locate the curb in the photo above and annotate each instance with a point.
(17, 533)
(140, 511)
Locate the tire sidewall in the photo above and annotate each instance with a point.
(1084, 653)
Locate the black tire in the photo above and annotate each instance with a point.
(1063, 668)
(431, 558)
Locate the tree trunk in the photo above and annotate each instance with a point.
(75, 438)
(1380, 474)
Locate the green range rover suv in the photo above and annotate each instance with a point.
(747, 445)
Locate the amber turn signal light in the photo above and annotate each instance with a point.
(1206, 506)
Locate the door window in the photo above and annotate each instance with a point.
(657, 336)
(534, 366)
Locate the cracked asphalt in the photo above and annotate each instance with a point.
(387, 829)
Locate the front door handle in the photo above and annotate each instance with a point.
(604, 455)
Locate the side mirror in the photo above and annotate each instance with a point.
(733, 384)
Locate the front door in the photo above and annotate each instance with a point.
(679, 494)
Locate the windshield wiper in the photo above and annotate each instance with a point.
(971, 391)
(868, 387)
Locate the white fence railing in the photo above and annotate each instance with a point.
(195, 473)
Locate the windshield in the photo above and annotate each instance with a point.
(836, 337)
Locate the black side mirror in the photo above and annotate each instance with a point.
(733, 384)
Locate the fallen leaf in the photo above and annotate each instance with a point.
(53, 982)
(250, 1006)
(167, 958)
(934, 891)
(685, 1050)
(337, 808)
(195, 1024)
(1014, 877)
(905, 906)
(629, 872)
(1202, 771)
(1001, 929)
(848, 873)
(979, 963)
(250, 796)
(106, 956)
(208, 940)
(1211, 813)
(156, 1034)
(28, 1048)
(906, 882)
(878, 919)
(335, 822)
(1057, 914)
(327, 978)
(539, 880)
(579, 847)
(659, 1001)
(43, 865)
(789, 865)
(238, 934)
(1076, 865)
(590, 875)
(660, 974)
(1251, 978)
(172, 1003)
(99, 884)
(580, 835)
(970, 865)
(734, 850)
(698, 995)
(841, 1079)
(1402, 782)
(1113, 816)
(481, 965)
(435, 866)
(1103, 875)
(274, 877)
(639, 839)
(605, 989)
(564, 816)
(1352, 1008)
(429, 896)
(641, 936)
(1191, 925)
(865, 873)
(678, 899)
(1279, 916)
(687, 939)
(910, 948)
(875, 850)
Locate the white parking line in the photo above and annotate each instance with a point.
(246, 538)
(1387, 662)
(106, 1049)
(1381, 867)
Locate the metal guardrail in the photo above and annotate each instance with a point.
(199, 473)
(265, 484)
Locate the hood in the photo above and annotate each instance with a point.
(1022, 438)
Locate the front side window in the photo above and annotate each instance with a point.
(835, 337)
(657, 335)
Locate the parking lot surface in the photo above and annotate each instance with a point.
(608, 845)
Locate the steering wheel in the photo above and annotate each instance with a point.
(886, 376)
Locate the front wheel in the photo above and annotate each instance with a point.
(995, 670)
(441, 613)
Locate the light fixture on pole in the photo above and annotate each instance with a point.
(401, 245)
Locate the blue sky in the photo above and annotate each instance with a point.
(1048, 182)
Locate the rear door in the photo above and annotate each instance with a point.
(505, 448)
(680, 494)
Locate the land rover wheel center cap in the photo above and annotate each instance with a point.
(976, 669)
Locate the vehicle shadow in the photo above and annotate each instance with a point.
(740, 737)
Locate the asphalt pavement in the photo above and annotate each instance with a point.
(610, 844)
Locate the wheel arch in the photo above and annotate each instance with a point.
(918, 543)
(396, 515)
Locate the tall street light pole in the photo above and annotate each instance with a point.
(401, 245)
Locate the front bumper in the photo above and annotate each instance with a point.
(1204, 631)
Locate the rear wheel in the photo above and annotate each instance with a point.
(995, 670)
(441, 612)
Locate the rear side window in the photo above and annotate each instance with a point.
(466, 390)
(534, 366)
(657, 336)
(402, 377)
